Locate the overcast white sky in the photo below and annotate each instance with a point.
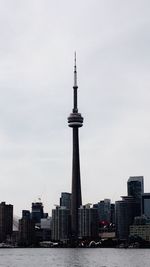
(37, 43)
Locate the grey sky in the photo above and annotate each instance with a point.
(37, 44)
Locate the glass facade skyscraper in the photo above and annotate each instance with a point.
(135, 186)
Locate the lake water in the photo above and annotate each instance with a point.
(99, 257)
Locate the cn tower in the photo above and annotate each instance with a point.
(75, 120)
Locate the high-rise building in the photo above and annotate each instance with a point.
(26, 229)
(75, 120)
(135, 186)
(37, 212)
(6, 221)
(65, 200)
(126, 210)
(88, 222)
(61, 224)
(104, 210)
(129, 207)
(146, 204)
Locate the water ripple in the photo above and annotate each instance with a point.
(74, 257)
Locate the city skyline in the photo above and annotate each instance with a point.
(38, 39)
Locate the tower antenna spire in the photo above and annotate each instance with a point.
(75, 70)
(75, 87)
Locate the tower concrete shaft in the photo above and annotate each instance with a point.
(75, 120)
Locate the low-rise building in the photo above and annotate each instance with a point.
(142, 231)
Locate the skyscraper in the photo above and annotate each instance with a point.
(37, 211)
(126, 210)
(104, 209)
(60, 224)
(75, 120)
(88, 222)
(135, 186)
(129, 207)
(6, 221)
(26, 229)
(65, 200)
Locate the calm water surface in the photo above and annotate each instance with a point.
(75, 257)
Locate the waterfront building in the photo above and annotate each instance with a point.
(60, 224)
(75, 121)
(146, 204)
(6, 221)
(142, 231)
(26, 229)
(126, 210)
(65, 200)
(88, 222)
(141, 228)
